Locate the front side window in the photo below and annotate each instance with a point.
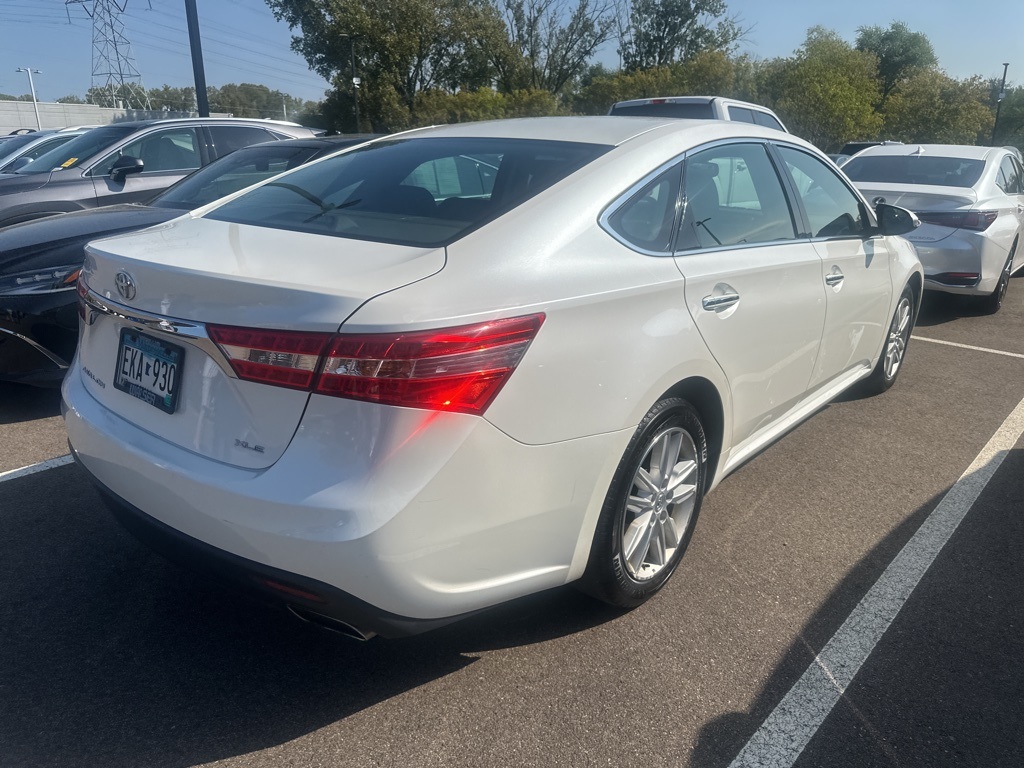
(418, 191)
(733, 196)
(832, 208)
(176, 149)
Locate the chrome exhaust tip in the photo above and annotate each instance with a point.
(330, 623)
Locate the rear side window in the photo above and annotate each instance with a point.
(916, 169)
(741, 114)
(1008, 177)
(647, 219)
(420, 191)
(733, 196)
(763, 118)
(228, 138)
(666, 109)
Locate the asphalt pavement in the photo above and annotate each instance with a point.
(110, 656)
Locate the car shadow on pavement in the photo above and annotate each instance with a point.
(112, 656)
(942, 685)
(940, 308)
(20, 403)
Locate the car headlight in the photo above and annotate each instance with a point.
(46, 280)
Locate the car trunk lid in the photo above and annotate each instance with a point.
(177, 278)
(920, 199)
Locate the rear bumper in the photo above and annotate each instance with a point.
(304, 595)
(425, 522)
(962, 253)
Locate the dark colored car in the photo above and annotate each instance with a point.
(40, 260)
(127, 163)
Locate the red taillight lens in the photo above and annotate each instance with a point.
(284, 358)
(452, 369)
(978, 221)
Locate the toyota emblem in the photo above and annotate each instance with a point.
(125, 285)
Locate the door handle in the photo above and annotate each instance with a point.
(712, 303)
(834, 279)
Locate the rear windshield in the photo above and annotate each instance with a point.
(241, 169)
(79, 149)
(665, 109)
(916, 169)
(419, 191)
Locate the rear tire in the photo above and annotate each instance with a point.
(651, 509)
(994, 301)
(895, 349)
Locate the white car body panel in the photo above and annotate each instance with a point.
(430, 514)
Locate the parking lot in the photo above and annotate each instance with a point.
(113, 657)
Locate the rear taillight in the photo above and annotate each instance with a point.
(451, 369)
(978, 221)
(284, 358)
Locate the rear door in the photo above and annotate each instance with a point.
(855, 265)
(753, 288)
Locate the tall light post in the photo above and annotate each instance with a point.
(999, 102)
(32, 87)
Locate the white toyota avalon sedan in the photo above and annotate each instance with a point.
(464, 364)
(971, 204)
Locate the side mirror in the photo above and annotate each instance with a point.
(893, 220)
(124, 166)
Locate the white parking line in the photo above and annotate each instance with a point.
(968, 346)
(787, 730)
(42, 466)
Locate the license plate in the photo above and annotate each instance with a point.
(149, 369)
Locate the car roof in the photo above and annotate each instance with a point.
(691, 100)
(192, 120)
(965, 151)
(607, 130)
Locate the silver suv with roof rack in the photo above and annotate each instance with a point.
(699, 108)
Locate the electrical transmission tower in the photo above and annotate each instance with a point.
(114, 72)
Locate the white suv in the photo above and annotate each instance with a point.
(700, 108)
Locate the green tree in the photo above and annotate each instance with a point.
(400, 47)
(827, 91)
(1010, 130)
(547, 43)
(662, 32)
(933, 108)
(71, 99)
(900, 53)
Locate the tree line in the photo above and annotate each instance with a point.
(420, 62)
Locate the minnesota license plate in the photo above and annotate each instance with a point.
(149, 369)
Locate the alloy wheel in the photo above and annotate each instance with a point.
(660, 504)
(899, 335)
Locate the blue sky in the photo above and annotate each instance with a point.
(242, 42)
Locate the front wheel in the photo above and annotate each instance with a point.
(651, 508)
(896, 341)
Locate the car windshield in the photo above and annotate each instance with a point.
(665, 109)
(79, 149)
(916, 169)
(419, 191)
(241, 169)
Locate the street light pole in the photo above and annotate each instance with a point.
(999, 102)
(355, 80)
(32, 87)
